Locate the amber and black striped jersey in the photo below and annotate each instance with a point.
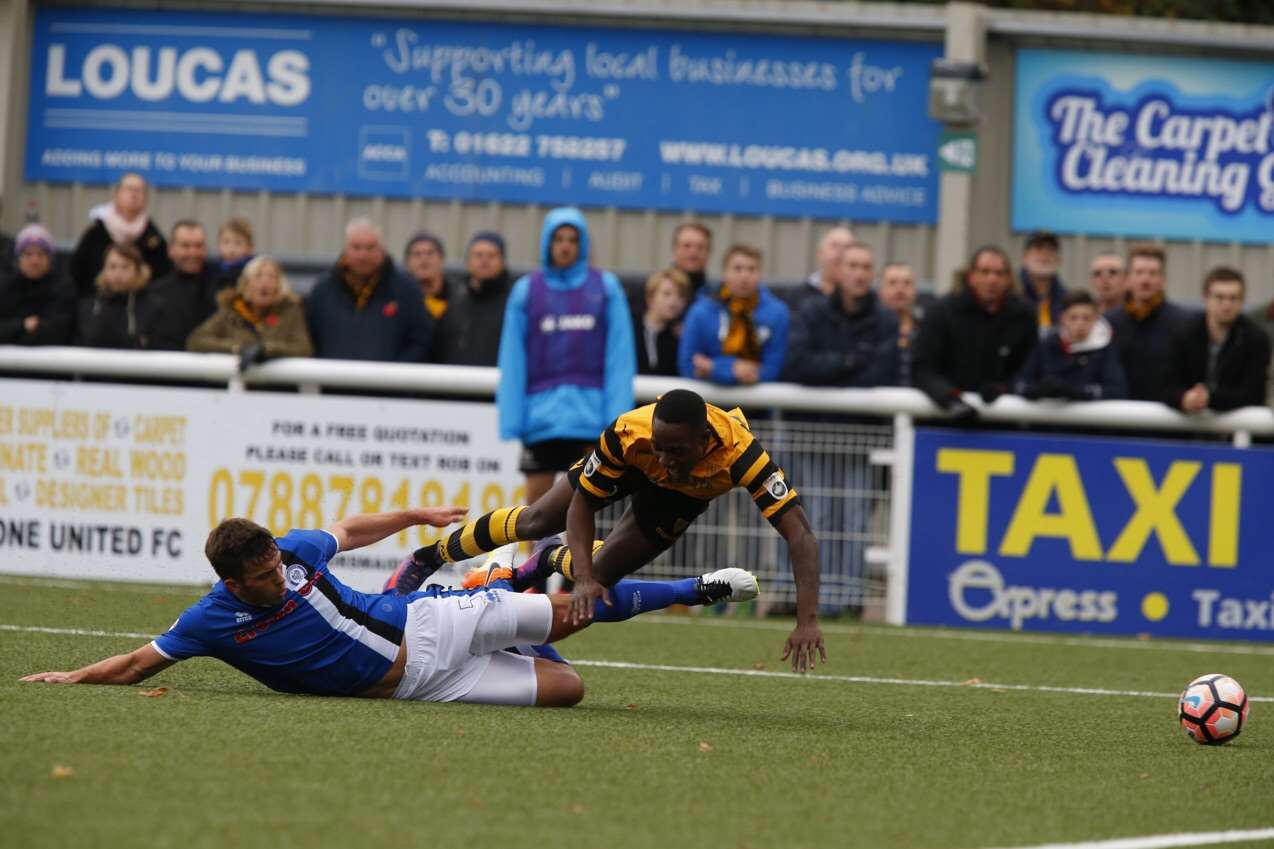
(734, 458)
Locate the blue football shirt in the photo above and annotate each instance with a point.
(322, 638)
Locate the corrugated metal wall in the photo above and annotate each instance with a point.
(636, 241)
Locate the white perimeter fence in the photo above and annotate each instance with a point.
(848, 451)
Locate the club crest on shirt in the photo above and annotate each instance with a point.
(295, 576)
(776, 486)
(591, 466)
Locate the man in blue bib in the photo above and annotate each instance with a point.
(279, 615)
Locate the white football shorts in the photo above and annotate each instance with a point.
(454, 645)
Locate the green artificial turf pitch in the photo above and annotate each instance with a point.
(651, 758)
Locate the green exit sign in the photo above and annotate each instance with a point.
(958, 152)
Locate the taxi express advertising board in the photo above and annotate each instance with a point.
(1091, 535)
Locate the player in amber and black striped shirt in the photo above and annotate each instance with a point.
(670, 459)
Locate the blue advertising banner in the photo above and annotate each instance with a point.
(1144, 146)
(1091, 535)
(511, 112)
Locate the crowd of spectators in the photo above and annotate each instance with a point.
(568, 337)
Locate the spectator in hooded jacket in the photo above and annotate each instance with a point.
(187, 294)
(566, 354)
(657, 329)
(123, 313)
(1042, 288)
(123, 221)
(37, 304)
(365, 308)
(977, 338)
(469, 332)
(737, 334)
(1220, 360)
(1076, 360)
(1147, 325)
(847, 338)
(259, 319)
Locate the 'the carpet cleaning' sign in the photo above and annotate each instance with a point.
(1091, 535)
(1144, 146)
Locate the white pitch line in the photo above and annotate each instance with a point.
(912, 632)
(1165, 841)
(717, 670)
(898, 682)
(969, 636)
(103, 586)
(74, 632)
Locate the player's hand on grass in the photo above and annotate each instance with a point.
(440, 517)
(805, 646)
(50, 678)
(584, 598)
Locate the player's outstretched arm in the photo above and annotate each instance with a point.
(581, 527)
(806, 638)
(367, 528)
(137, 665)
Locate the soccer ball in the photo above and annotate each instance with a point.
(1213, 709)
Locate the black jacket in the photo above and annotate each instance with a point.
(51, 297)
(1145, 347)
(1056, 291)
(126, 321)
(965, 348)
(1238, 378)
(392, 326)
(665, 344)
(828, 346)
(90, 255)
(1090, 371)
(469, 332)
(186, 301)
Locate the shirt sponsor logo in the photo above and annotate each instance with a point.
(565, 323)
(264, 625)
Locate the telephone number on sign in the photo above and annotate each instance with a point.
(283, 500)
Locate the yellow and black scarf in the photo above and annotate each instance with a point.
(741, 340)
(437, 306)
(245, 312)
(361, 288)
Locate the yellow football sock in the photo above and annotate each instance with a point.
(486, 533)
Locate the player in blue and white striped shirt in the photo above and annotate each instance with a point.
(279, 615)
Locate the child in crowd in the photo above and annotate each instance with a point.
(658, 329)
(235, 248)
(121, 313)
(1076, 360)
